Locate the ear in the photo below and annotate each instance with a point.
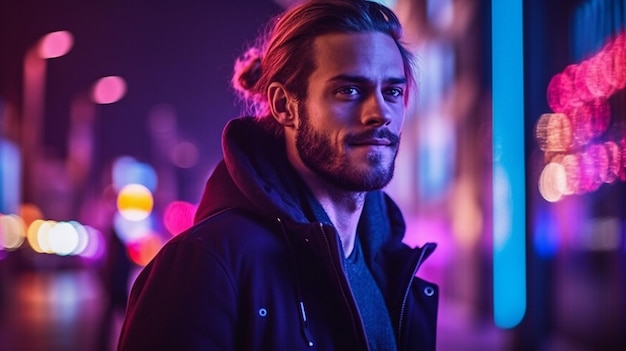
(283, 105)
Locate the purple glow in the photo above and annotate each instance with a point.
(96, 245)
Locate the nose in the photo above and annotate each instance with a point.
(375, 111)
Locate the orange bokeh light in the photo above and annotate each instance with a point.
(144, 250)
(135, 202)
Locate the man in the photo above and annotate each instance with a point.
(295, 245)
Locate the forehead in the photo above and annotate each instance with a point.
(372, 55)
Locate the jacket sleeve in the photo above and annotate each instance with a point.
(184, 299)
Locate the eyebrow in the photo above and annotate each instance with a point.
(364, 80)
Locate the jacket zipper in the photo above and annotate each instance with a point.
(341, 277)
(428, 247)
(303, 319)
(305, 325)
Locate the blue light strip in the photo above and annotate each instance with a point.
(509, 217)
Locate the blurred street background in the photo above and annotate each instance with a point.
(513, 160)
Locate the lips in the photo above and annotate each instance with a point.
(381, 137)
(373, 142)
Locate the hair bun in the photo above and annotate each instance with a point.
(247, 71)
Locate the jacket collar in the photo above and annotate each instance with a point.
(254, 175)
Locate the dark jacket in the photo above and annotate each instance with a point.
(262, 268)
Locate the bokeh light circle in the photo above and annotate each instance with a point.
(12, 231)
(108, 90)
(63, 238)
(185, 155)
(178, 216)
(135, 202)
(552, 182)
(144, 250)
(55, 44)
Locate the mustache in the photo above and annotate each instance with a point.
(364, 137)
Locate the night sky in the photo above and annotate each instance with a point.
(169, 52)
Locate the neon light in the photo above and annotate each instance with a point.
(10, 176)
(509, 248)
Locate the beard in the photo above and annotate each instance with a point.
(336, 168)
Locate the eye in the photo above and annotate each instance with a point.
(350, 91)
(395, 92)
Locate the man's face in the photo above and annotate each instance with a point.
(350, 122)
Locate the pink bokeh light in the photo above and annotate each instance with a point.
(55, 44)
(622, 159)
(591, 150)
(108, 90)
(614, 161)
(178, 216)
(596, 83)
(580, 81)
(590, 120)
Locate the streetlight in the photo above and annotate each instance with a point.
(51, 45)
(81, 137)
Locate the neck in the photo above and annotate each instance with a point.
(345, 214)
(342, 207)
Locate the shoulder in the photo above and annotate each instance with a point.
(223, 247)
(231, 227)
(231, 238)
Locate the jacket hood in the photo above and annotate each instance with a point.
(255, 175)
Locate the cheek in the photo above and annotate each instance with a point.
(399, 115)
(327, 119)
(330, 118)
